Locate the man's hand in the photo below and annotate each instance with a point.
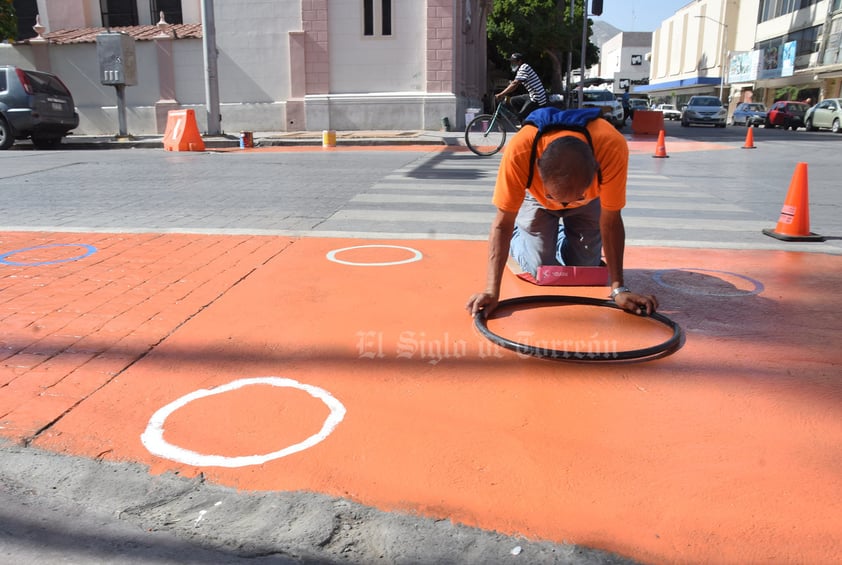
(482, 301)
(642, 304)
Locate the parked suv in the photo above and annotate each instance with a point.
(704, 110)
(612, 109)
(35, 105)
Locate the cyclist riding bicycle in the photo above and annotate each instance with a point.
(525, 75)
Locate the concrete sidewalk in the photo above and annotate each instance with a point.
(269, 139)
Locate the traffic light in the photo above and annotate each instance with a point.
(596, 7)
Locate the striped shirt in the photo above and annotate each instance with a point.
(527, 76)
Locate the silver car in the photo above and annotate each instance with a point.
(34, 105)
(704, 110)
(826, 114)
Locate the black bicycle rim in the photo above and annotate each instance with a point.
(492, 148)
(481, 323)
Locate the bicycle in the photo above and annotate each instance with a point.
(486, 133)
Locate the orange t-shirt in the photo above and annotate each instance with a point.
(610, 149)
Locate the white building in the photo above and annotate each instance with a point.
(743, 50)
(623, 60)
(283, 65)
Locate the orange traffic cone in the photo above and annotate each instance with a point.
(749, 144)
(794, 221)
(661, 147)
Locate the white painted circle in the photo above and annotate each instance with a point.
(153, 436)
(416, 255)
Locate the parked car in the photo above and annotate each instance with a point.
(826, 114)
(704, 110)
(36, 105)
(638, 104)
(749, 114)
(669, 111)
(612, 108)
(787, 114)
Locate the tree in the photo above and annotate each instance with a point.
(8, 21)
(543, 32)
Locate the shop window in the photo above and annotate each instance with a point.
(807, 39)
(377, 18)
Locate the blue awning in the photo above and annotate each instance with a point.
(676, 84)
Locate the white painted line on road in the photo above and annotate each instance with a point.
(422, 216)
(483, 187)
(697, 224)
(677, 205)
(421, 199)
(678, 193)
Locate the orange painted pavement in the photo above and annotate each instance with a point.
(726, 451)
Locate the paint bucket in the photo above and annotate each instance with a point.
(328, 138)
(246, 139)
(470, 114)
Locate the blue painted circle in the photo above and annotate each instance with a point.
(89, 249)
(757, 285)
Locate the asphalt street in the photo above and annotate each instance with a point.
(713, 197)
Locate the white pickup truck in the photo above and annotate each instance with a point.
(669, 111)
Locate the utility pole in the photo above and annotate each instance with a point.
(211, 76)
(567, 91)
(584, 51)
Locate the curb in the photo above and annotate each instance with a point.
(228, 142)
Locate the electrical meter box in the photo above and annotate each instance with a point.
(117, 63)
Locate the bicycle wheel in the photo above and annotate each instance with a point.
(485, 136)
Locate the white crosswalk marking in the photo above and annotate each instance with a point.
(448, 195)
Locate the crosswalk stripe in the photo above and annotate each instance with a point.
(425, 216)
(387, 198)
(679, 205)
(421, 199)
(488, 189)
(680, 194)
(432, 216)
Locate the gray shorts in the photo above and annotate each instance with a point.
(556, 237)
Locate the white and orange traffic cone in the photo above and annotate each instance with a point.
(749, 144)
(661, 147)
(794, 221)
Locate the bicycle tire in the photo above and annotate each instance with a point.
(672, 343)
(484, 137)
